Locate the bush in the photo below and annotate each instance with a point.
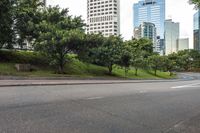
(24, 57)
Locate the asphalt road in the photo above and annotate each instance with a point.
(160, 107)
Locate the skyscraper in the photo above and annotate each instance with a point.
(103, 16)
(146, 30)
(171, 36)
(196, 29)
(151, 11)
(183, 44)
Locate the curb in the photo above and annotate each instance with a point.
(87, 83)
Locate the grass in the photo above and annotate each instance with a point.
(143, 74)
(77, 68)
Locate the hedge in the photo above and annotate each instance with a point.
(26, 57)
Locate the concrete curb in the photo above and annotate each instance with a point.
(87, 83)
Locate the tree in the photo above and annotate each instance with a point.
(27, 16)
(195, 56)
(108, 53)
(169, 65)
(195, 2)
(140, 50)
(185, 60)
(156, 63)
(126, 57)
(86, 49)
(59, 35)
(138, 62)
(145, 46)
(6, 22)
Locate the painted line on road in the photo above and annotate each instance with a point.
(94, 98)
(186, 86)
(142, 92)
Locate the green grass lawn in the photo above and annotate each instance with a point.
(77, 68)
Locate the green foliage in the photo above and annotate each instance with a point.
(87, 48)
(33, 58)
(186, 60)
(195, 2)
(77, 68)
(108, 53)
(59, 35)
(156, 63)
(27, 15)
(6, 22)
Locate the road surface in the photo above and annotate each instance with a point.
(160, 107)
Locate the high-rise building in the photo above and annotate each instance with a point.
(171, 36)
(183, 44)
(103, 16)
(151, 11)
(196, 29)
(146, 30)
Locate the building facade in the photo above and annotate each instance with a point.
(146, 30)
(171, 36)
(196, 31)
(183, 44)
(103, 16)
(151, 11)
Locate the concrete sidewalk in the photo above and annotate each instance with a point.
(9, 83)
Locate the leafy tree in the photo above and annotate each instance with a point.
(6, 22)
(195, 2)
(138, 62)
(59, 35)
(145, 46)
(126, 57)
(140, 49)
(156, 63)
(108, 53)
(185, 59)
(169, 65)
(195, 56)
(27, 15)
(86, 49)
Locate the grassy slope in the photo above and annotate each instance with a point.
(80, 69)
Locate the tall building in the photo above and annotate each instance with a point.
(146, 30)
(151, 11)
(103, 16)
(171, 36)
(183, 44)
(196, 29)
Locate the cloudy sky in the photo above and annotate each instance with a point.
(178, 10)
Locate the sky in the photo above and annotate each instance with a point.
(177, 10)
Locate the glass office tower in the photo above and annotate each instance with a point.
(171, 36)
(151, 11)
(146, 30)
(197, 31)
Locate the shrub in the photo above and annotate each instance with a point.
(26, 57)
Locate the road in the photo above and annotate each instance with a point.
(160, 107)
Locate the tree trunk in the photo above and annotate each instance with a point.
(126, 71)
(61, 64)
(170, 73)
(110, 68)
(136, 71)
(155, 72)
(61, 69)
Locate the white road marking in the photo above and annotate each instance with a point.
(186, 86)
(94, 98)
(142, 92)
